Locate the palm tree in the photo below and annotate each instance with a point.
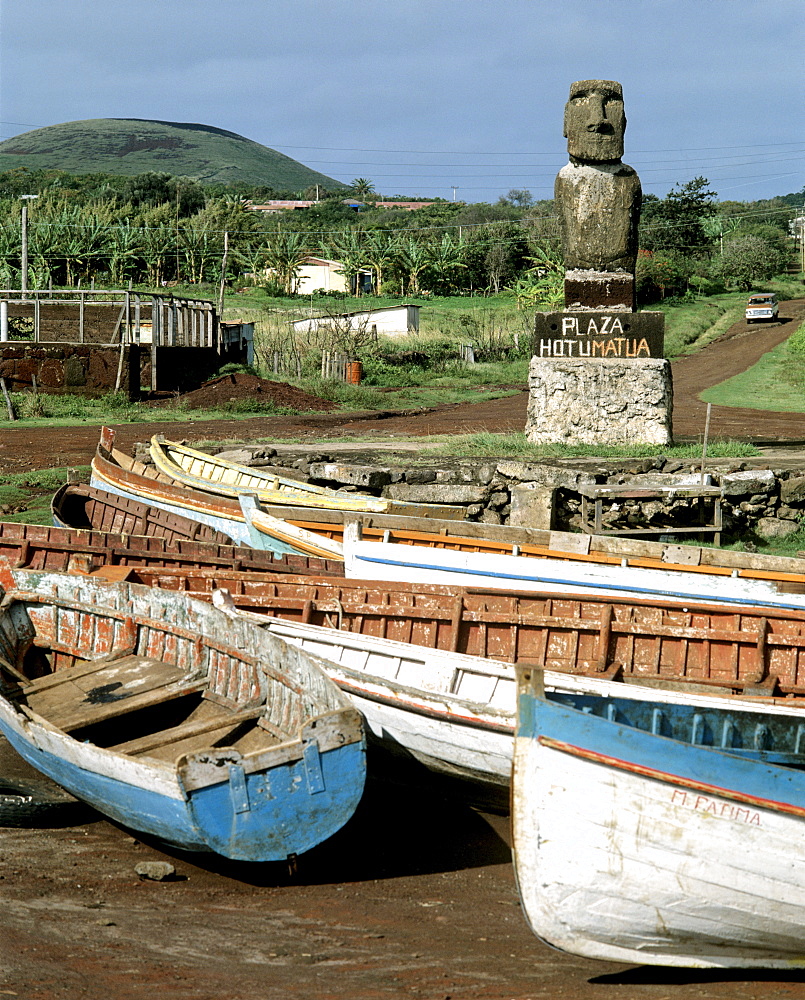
(362, 187)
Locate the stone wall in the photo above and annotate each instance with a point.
(69, 368)
(757, 503)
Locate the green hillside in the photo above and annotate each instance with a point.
(127, 146)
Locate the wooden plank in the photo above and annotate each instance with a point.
(186, 731)
(92, 714)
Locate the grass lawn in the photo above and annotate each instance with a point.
(776, 383)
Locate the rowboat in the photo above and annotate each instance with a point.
(385, 560)
(76, 505)
(713, 647)
(643, 836)
(110, 554)
(455, 714)
(114, 472)
(202, 471)
(174, 720)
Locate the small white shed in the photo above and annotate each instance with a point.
(387, 321)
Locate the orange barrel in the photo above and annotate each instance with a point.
(354, 372)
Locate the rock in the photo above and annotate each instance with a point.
(545, 475)
(773, 527)
(753, 481)
(420, 476)
(793, 490)
(455, 476)
(246, 455)
(485, 473)
(532, 506)
(490, 517)
(364, 476)
(435, 493)
(155, 871)
(497, 500)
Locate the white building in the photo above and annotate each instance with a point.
(387, 321)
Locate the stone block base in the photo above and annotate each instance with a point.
(599, 290)
(606, 401)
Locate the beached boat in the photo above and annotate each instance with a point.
(715, 647)
(115, 472)
(383, 559)
(640, 836)
(202, 471)
(110, 554)
(173, 719)
(455, 713)
(76, 505)
(120, 474)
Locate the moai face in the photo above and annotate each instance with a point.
(595, 121)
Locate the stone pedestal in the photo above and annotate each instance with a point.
(607, 401)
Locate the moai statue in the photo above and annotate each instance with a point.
(598, 198)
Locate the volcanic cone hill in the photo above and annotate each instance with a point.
(128, 146)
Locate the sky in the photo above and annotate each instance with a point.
(456, 99)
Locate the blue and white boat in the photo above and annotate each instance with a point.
(418, 563)
(173, 719)
(660, 834)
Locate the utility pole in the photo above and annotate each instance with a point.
(223, 278)
(24, 277)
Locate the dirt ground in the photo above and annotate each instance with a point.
(415, 897)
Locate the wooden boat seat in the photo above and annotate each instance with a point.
(85, 697)
(188, 730)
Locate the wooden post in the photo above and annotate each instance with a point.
(81, 319)
(704, 442)
(9, 406)
(223, 278)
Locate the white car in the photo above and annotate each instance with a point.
(762, 306)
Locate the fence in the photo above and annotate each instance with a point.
(114, 317)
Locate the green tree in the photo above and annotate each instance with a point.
(679, 222)
(362, 187)
(749, 260)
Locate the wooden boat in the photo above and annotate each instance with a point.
(202, 471)
(81, 550)
(173, 719)
(385, 560)
(114, 472)
(76, 505)
(455, 713)
(713, 647)
(641, 835)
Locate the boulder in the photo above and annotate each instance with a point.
(363, 476)
(748, 483)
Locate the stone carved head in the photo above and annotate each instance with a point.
(595, 121)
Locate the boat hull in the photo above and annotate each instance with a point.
(636, 848)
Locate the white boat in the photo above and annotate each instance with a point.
(411, 563)
(452, 712)
(681, 850)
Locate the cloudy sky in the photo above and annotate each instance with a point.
(435, 98)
